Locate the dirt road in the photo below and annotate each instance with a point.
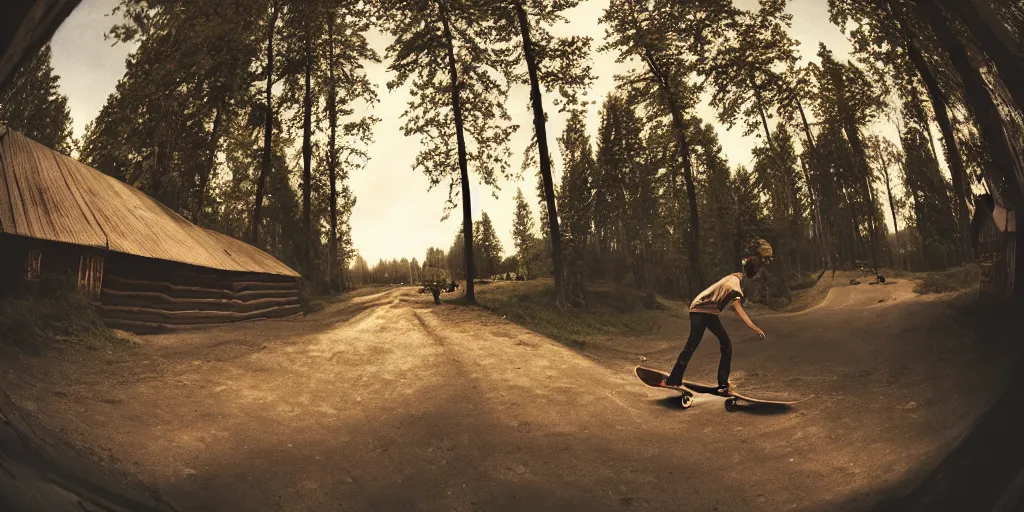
(391, 403)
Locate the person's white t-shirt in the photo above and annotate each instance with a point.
(717, 297)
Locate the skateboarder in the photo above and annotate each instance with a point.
(435, 290)
(704, 314)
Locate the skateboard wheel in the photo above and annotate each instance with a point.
(686, 401)
(730, 404)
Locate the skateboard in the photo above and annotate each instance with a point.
(653, 378)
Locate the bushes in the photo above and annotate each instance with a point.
(803, 282)
(57, 314)
(608, 311)
(952, 280)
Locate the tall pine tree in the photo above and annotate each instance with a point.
(458, 95)
(33, 105)
(576, 200)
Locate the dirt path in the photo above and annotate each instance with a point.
(388, 402)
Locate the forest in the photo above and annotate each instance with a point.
(250, 116)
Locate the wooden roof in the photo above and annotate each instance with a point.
(49, 196)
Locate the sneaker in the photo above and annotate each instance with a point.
(726, 389)
(665, 384)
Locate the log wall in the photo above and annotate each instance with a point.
(25, 261)
(143, 295)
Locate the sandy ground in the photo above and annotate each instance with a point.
(388, 402)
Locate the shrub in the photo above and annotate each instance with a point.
(57, 314)
(616, 311)
(314, 306)
(953, 280)
(803, 282)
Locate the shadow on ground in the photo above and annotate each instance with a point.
(389, 402)
(983, 472)
(37, 472)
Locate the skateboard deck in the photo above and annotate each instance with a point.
(653, 378)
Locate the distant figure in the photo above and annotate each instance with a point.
(435, 290)
(452, 286)
(704, 314)
(508, 276)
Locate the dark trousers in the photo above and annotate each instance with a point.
(699, 322)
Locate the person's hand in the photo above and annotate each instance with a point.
(760, 333)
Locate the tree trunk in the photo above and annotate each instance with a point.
(545, 157)
(696, 271)
(159, 168)
(853, 138)
(978, 97)
(858, 149)
(855, 240)
(211, 162)
(775, 156)
(823, 239)
(764, 117)
(995, 39)
(816, 252)
(931, 140)
(268, 128)
(467, 210)
(307, 158)
(696, 274)
(892, 208)
(860, 155)
(335, 282)
(875, 232)
(806, 125)
(958, 172)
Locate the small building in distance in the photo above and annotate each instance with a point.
(147, 268)
(997, 248)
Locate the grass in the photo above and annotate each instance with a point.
(532, 304)
(893, 272)
(58, 317)
(952, 280)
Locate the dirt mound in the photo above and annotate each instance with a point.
(810, 297)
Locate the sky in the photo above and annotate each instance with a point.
(395, 216)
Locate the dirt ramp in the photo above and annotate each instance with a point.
(842, 294)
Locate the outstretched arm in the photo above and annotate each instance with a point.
(746, 319)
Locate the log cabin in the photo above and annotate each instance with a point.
(146, 268)
(997, 246)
